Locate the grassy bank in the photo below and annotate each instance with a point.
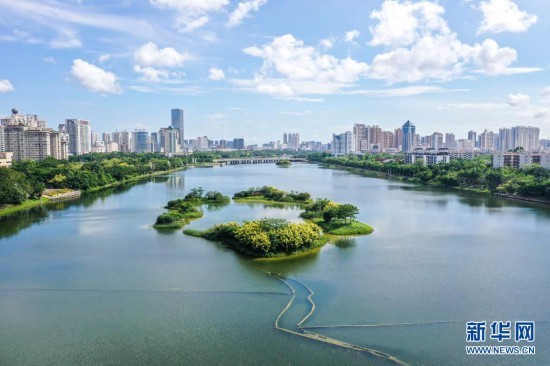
(344, 228)
(185, 219)
(9, 209)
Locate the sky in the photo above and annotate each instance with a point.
(259, 68)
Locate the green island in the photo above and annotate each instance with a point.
(268, 194)
(284, 163)
(182, 211)
(270, 237)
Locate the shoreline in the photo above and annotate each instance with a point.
(45, 200)
(377, 174)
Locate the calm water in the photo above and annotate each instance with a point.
(89, 282)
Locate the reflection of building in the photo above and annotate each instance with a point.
(176, 182)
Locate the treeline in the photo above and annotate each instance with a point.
(27, 179)
(477, 174)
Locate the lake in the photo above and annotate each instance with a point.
(90, 282)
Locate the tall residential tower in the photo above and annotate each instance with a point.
(177, 123)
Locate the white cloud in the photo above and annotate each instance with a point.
(351, 36)
(504, 16)
(150, 55)
(545, 92)
(243, 11)
(519, 99)
(402, 24)
(293, 60)
(326, 43)
(421, 46)
(104, 58)
(191, 14)
(49, 60)
(66, 39)
(94, 78)
(6, 86)
(216, 117)
(405, 91)
(150, 74)
(216, 74)
(53, 14)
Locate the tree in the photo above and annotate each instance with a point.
(347, 211)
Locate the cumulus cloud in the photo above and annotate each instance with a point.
(216, 74)
(243, 11)
(94, 78)
(402, 24)
(351, 36)
(519, 99)
(545, 92)
(153, 63)
(150, 55)
(6, 86)
(420, 45)
(191, 14)
(504, 16)
(290, 58)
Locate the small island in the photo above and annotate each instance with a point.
(284, 163)
(278, 237)
(335, 218)
(266, 238)
(182, 211)
(268, 194)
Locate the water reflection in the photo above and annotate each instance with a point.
(343, 243)
(13, 223)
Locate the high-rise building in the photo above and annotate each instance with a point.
(155, 142)
(80, 136)
(437, 140)
(285, 138)
(525, 137)
(141, 142)
(472, 135)
(504, 141)
(107, 137)
(450, 141)
(360, 137)
(169, 139)
(342, 144)
(398, 142)
(178, 124)
(16, 141)
(124, 140)
(408, 136)
(465, 145)
(2, 140)
(487, 141)
(238, 143)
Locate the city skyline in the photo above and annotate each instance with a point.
(246, 70)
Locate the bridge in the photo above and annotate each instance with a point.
(258, 160)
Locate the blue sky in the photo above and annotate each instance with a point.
(258, 68)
